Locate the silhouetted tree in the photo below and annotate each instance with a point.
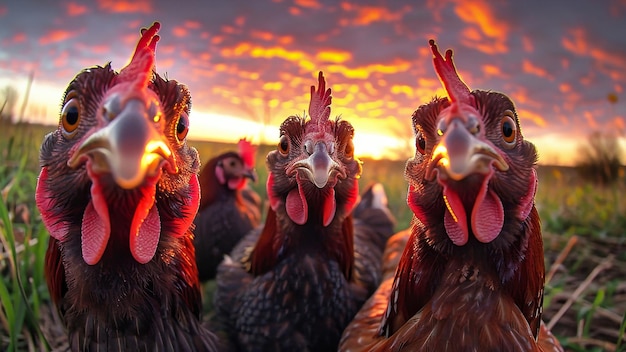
(600, 158)
(8, 100)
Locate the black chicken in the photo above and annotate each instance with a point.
(118, 192)
(296, 283)
(228, 209)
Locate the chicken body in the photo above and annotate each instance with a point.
(471, 275)
(228, 208)
(297, 282)
(118, 192)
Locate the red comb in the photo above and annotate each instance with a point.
(142, 63)
(247, 152)
(319, 107)
(457, 90)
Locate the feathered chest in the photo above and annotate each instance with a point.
(469, 308)
(304, 302)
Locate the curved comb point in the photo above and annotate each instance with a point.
(457, 90)
(319, 107)
(141, 65)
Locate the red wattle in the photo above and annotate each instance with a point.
(58, 228)
(297, 206)
(330, 207)
(95, 232)
(455, 218)
(144, 243)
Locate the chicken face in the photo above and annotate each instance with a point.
(234, 169)
(314, 164)
(120, 146)
(470, 151)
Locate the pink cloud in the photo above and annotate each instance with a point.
(19, 37)
(60, 60)
(74, 9)
(192, 24)
(55, 36)
(179, 32)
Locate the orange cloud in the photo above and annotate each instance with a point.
(312, 4)
(116, 6)
(365, 15)
(493, 31)
(56, 36)
(530, 68)
(294, 11)
(531, 116)
(578, 43)
(364, 72)
(277, 86)
(480, 14)
(565, 88)
(493, 71)
(262, 35)
(333, 56)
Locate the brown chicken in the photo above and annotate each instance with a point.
(228, 208)
(296, 283)
(118, 192)
(471, 276)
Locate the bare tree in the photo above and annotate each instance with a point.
(8, 100)
(600, 158)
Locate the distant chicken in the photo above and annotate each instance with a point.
(228, 209)
(297, 282)
(471, 276)
(118, 192)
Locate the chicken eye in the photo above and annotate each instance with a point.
(70, 117)
(283, 145)
(509, 129)
(182, 127)
(420, 142)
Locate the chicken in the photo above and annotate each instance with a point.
(118, 191)
(295, 283)
(471, 275)
(228, 209)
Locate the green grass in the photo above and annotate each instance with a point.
(567, 206)
(23, 240)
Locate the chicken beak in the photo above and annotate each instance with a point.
(251, 174)
(319, 165)
(460, 153)
(130, 148)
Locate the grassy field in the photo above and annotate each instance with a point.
(585, 299)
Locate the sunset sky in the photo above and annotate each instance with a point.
(562, 62)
